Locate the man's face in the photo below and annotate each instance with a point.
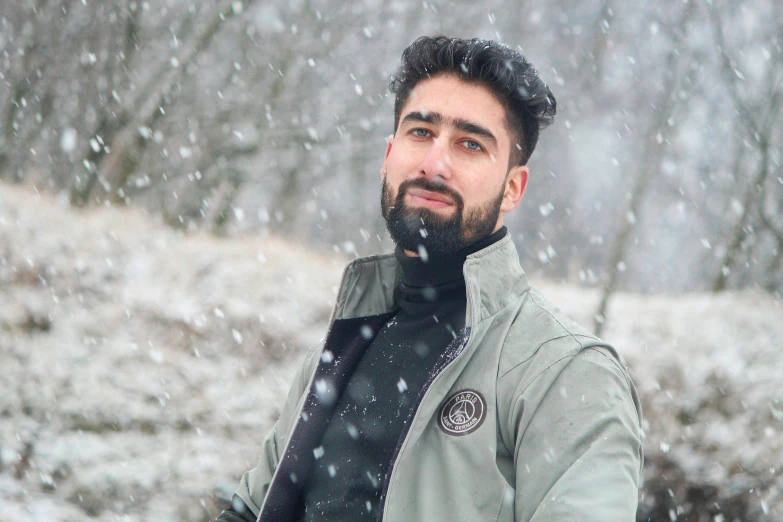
(446, 180)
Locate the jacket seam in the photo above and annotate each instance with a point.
(582, 347)
(494, 316)
(560, 478)
(570, 333)
(629, 389)
(519, 397)
(531, 355)
(589, 446)
(567, 331)
(555, 319)
(500, 504)
(615, 364)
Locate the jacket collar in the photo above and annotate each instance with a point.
(493, 280)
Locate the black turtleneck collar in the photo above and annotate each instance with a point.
(438, 270)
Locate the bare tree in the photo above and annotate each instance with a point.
(230, 115)
(656, 139)
(758, 119)
(114, 166)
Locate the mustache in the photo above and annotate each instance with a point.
(425, 184)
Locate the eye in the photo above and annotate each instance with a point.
(473, 145)
(421, 133)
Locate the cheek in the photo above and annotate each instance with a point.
(398, 171)
(480, 192)
(403, 158)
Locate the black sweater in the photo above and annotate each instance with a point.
(352, 461)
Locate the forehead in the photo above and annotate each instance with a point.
(455, 98)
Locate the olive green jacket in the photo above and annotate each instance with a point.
(528, 417)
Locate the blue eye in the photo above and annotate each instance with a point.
(422, 133)
(472, 145)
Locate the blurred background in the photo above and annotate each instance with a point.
(181, 182)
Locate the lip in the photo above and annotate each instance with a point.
(428, 198)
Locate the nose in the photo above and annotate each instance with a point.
(436, 162)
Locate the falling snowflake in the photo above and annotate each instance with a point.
(68, 140)
(367, 332)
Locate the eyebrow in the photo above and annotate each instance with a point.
(437, 118)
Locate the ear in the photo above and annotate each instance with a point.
(516, 183)
(389, 140)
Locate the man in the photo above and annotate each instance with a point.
(446, 388)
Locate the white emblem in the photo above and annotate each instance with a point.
(463, 413)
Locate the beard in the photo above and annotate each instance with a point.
(417, 228)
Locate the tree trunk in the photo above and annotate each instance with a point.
(651, 159)
(733, 249)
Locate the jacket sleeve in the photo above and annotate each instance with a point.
(578, 453)
(249, 495)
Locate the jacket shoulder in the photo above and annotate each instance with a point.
(545, 349)
(540, 335)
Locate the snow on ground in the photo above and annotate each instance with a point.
(139, 367)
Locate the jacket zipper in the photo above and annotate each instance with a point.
(303, 399)
(401, 446)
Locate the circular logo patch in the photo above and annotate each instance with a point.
(463, 413)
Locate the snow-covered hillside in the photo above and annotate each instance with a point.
(139, 368)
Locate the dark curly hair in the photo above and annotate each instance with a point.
(530, 105)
